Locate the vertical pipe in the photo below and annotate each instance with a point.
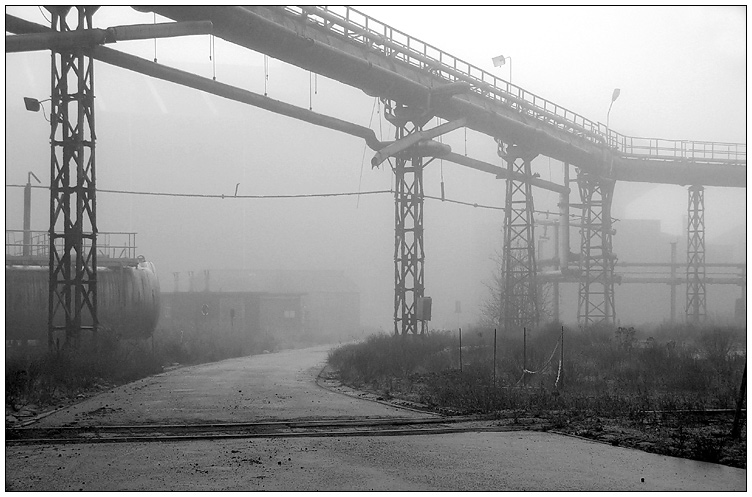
(524, 356)
(564, 222)
(673, 282)
(557, 256)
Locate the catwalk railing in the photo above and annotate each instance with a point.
(359, 28)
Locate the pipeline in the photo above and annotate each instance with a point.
(149, 68)
(69, 40)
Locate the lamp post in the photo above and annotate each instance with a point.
(614, 96)
(500, 61)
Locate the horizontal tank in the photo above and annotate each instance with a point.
(127, 301)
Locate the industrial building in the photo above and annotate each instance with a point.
(305, 306)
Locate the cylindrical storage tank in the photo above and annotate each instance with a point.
(128, 300)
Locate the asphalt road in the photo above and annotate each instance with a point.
(282, 386)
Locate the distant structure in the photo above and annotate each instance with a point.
(306, 305)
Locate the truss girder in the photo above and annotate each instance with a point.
(596, 292)
(73, 256)
(520, 306)
(696, 308)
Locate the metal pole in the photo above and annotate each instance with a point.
(27, 219)
(524, 356)
(460, 349)
(673, 282)
(561, 359)
(494, 362)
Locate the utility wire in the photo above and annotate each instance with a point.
(300, 195)
(220, 196)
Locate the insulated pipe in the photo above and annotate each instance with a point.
(500, 172)
(149, 68)
(69, 40)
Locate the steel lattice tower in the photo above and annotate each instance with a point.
(696, 308)
(409, 256)
(73, 227)
(520, 306)
(596, 292)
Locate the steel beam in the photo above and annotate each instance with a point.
(73, 221)
(596, 292)
(413, 138)
(520, 306)
(696, 308)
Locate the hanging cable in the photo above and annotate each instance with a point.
(213, 56)
(45, 16)
(310, 90)
(155, 39)
(266, 72)
(363, 160)
(304, 195)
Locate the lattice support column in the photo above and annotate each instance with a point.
(520, 306)
(696, 308)
(596, 292)
(73, 227)
(409, 255)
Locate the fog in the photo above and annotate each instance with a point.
(681, 72)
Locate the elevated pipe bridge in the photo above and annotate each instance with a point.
(417, 81)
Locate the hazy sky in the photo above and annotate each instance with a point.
(681, 71)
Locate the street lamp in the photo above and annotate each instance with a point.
(614, 96)
(500, 61)
(613, 99)
(33, 105)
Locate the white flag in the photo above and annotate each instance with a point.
(499, 61)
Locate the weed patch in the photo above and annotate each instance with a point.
(616, 386)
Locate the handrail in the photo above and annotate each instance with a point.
(123, 247)
(360, 28)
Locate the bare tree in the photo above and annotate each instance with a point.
(492, 308)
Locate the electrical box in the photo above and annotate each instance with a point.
(423, 309)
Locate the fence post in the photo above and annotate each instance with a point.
(494, 362)
(736, 429)
(460, 350)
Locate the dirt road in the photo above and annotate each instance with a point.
(282, 386)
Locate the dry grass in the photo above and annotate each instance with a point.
(618, 377)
